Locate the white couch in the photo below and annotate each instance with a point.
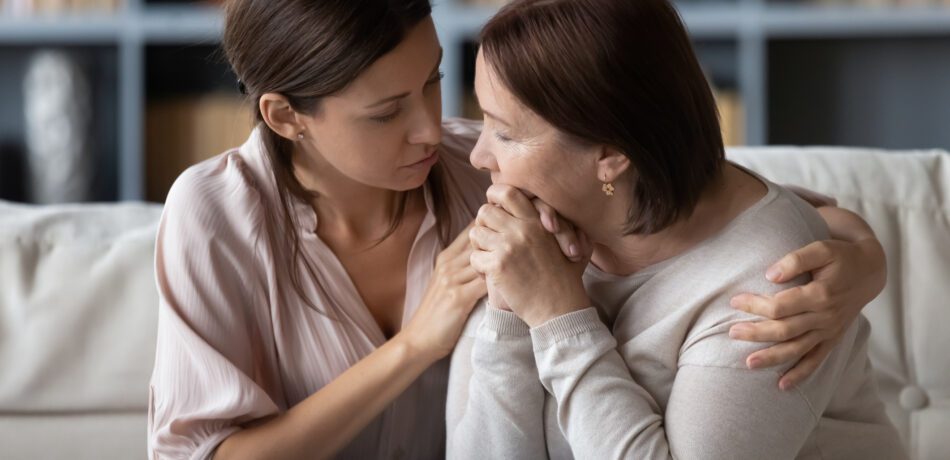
(78, 305)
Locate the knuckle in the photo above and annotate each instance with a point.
(822, 294)
(783, 331)
(794, 261)
(482, 211)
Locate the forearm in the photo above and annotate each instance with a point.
(602, 411)
(322, 424)
(496, 393)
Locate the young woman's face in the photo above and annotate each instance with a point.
(520, 149)
(383, 129)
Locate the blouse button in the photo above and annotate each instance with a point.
(913, 398)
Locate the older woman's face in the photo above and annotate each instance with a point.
(520, 149)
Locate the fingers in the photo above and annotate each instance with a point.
(806, 259)
(806, 366)
(493, 217)
(783, 352)
(474, 290)
(511, 199)
(461, 241)
(485, 239)
(567, 236)
(796, 300)
(778, 330)
(549, 216)
(481, 261)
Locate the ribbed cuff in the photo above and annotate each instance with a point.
(565, 326)
(504, 323)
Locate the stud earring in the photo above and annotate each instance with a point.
(608, 187)
(300, 136)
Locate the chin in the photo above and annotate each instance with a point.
(412, 184)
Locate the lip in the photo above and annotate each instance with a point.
(427, 161)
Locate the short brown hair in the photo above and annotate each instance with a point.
(619, 73)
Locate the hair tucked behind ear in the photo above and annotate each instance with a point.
(306, 50)
(629, 68)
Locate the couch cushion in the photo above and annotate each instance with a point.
(78, 307)
(905, 196)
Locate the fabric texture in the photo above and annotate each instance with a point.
(235, 344)
(78, 305)
(652, 373)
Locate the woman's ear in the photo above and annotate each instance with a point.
(611, 164)
(280, 116)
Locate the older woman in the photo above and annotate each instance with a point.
(600, 109)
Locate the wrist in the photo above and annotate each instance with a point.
(413, 354)
(550, 309)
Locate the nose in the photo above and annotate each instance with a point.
(481, 156)
(426, 126)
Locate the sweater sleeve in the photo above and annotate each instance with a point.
(496, 403)
(712, 413)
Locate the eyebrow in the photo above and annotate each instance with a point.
(402, 95)
(496, 118)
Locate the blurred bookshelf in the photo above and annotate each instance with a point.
(865, 72)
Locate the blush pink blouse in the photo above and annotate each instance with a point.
(236, 344)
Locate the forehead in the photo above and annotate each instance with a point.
(401, 69)
(493, 96)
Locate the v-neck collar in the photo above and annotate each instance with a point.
(348, 293)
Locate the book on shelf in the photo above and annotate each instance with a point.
(58, 7)
(731, 116)
(183, 131)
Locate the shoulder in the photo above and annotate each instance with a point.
(733, 263)
(218, 196)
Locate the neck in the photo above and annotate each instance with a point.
(722, 201)
(346, 208)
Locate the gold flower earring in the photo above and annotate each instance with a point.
(608, 187)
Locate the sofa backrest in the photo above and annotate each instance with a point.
(78, 303)
(905, 196)
(78, 314)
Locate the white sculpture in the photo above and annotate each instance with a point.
(58, 120)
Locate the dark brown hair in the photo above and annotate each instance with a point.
(306, 50)
(618, 73)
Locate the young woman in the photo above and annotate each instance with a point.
(631, 356)
(313, 280)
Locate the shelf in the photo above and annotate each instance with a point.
(188, 24)
(830, 22)
(703, 21)
(182, 24)
(176, 24)
(751, 47)
(96, 29)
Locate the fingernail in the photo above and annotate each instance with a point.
(754, 363)
(784, 385)
(555, 225)
(734, 302)
(773, 274)
(546, 223)
(573, 250)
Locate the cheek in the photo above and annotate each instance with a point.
(531, 170)
(357, 154)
